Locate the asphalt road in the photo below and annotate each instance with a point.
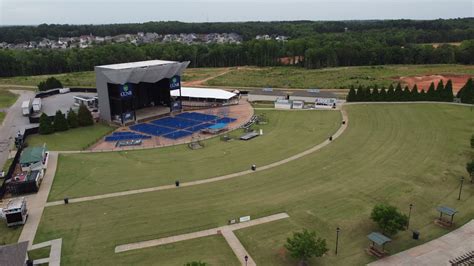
(13, 122)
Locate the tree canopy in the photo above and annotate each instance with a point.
(304, 245)
(389, 218)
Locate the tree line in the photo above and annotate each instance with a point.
(407, 31)
(318, 53)
(439, 93)
(62, 122)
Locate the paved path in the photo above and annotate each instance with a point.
(436, 252)
(213, 179)
(54, 258)
(37, 201)
(226, 231)
(13, 122)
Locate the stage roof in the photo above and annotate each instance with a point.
(150, 71)
(203, 93)
(138, 64)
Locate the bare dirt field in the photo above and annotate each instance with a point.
(423, 82)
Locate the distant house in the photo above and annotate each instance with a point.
(33, 158)
(14, 254)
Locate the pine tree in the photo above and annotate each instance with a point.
(390, 94)
(84, 116)
(60, 122)
(422, 96)
(448, 92)
(414, 96)
(351, 95)
(406, 96)
(398, 93)
(375, 95)
(72, 119)
(45, 124)
(466, 94)
(383, 94)
(431, 94)
(439, 91)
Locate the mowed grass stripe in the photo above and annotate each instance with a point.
(337, 186)
(287, 133)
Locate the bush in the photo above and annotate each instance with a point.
(60, 122)
(304, 245)
(45, 125)
(72, 119)
(50, 83)
(389, 219)
(84, 116)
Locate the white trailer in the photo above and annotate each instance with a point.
(36, 105)
(26, 107)
(15, 213)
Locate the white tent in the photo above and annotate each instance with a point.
(203, 93)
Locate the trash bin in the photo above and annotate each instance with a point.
(330, 138)
(254, 167)
(66, 200)
(416, 235)
(177, 183)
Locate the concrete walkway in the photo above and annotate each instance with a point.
(54, 258)
(37, 201)
(226, 231)
(436, 252)
(214, 179)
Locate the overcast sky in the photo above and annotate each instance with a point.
(32, 12)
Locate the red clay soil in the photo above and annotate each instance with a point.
(423, 82)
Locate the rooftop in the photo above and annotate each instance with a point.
(313, 93)
(447, 210)
(203, 93)
(14, 254)
(378, 238)
(32, 154)
(138, 64)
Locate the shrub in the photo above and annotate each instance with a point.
(84, 116)
(60, 122)
(50, 83)
(45, 125)
(389, 219)
(72, 119)
(304, 245)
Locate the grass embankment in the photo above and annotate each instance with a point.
(329, 78)
(286, 134)
(399, 154)
(87, 78)
(74, 139)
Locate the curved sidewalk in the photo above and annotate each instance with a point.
(436, 252)
(341, 129)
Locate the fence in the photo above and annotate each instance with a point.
(11, 169)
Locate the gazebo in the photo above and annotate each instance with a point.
(443, 210)
(377, 247)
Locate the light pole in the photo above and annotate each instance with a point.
(246, 259)
(409, 214)
(337, 237)
(460, 187)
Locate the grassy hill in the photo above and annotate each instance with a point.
(399, 154)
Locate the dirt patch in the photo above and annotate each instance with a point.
(423, 82)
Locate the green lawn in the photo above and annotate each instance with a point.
(7, 98)
(401, 154)
(71, 140)
(329, 78)
(2, 116)
(286, 134)
(87, 78)
(9, 235)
